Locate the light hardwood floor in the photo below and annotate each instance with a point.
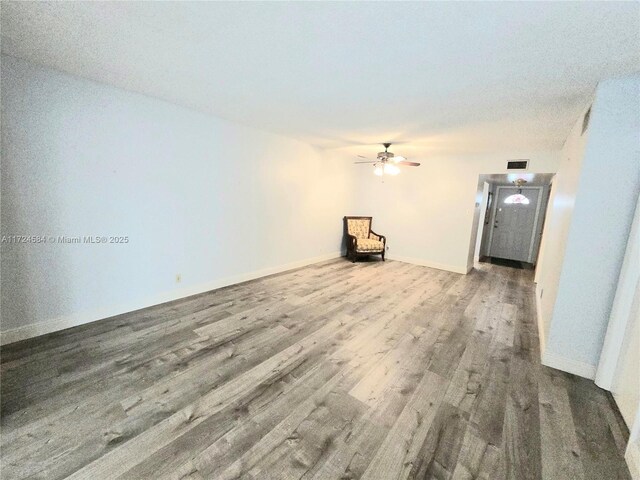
(335, 371)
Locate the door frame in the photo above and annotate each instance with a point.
(536, 219)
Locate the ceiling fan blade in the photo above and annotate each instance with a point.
(362, 156)
(408, 164)
(368, 161)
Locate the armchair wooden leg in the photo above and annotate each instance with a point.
(383, 255)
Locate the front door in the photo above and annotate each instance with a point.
(514, 223)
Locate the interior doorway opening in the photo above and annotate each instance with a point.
(510, 219)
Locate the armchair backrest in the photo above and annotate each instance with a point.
(359, 227)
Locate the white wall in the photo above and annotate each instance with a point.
(544, 206)
(486, 231)
(618, 368)
(479, 231)
(556, 229)
(626, 388)
(428, 212)
(632, 454)
(592, 208)
(197, 196)
(620, 349)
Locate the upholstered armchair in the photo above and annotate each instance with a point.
(361, 240)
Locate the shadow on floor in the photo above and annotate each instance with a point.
(505, 262)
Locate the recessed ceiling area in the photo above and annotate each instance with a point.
(437, 77)
(532, 179)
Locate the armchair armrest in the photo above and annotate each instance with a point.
(352, 242)
(376, 236)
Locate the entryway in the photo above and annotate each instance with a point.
(511, 219)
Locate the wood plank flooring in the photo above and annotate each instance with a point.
(371, 370)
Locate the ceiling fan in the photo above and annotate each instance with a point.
(387, 163)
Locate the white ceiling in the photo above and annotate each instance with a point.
(439, 76)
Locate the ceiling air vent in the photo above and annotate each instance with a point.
(585, 120)
(517, 164)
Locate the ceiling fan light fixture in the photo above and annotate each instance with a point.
(386, 163)
(391, 169)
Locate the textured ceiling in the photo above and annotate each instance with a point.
(440, 77)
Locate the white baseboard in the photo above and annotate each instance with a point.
(569, 365)
(74, 320)
(426, 263)
(632, 456)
